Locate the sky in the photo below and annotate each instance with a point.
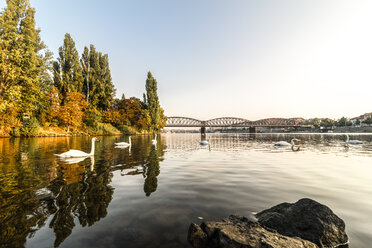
(218, 58)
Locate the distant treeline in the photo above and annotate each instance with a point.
(342, 122)
(74, 93)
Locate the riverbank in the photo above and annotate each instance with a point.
(100, 130)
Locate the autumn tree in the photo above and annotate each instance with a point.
(50, 116)
(71, 113)
(67, 72)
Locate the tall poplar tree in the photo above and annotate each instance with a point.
(98, 86)
(67, 73)
(108, 87)
(22, 63)
(153, 101)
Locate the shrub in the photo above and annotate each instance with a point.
(30, 127)
(103, 128)
(127, 130)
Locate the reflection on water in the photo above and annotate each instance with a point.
(36, 185)
(327, 143)
(120, 198)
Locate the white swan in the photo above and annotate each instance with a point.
(285, 143)
(77, 153)
(352, 142)
(154, 141)
(204, 143)
(124, 144)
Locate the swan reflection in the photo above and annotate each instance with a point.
(75, 160)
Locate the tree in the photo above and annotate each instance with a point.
(153, 101)
(367, 121)
(71, 114)
(85, 64)
(132, 110)
(22, 63)
(108, 87)
(52, 107)
(342, 122)
(98, 86)
(316, 122)
(327, 122)
(67, 73)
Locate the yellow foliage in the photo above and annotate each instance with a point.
(71, 114)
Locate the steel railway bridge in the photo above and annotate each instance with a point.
(177, 121)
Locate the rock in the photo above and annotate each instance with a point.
(308, 220)
(236, 231)
(196, 237)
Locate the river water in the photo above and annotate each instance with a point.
(147, 196)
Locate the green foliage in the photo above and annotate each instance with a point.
(67, 72)
(103, 129)
(342, 122)
(21, 63)
(127, 130)
(327, 122)
(153, 101)
(92, 117)
(98, 86)
(30, 127)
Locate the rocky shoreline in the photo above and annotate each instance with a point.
(306, 224)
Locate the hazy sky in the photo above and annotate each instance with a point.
(241, 58)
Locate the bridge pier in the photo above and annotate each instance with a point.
(203, 133)
(252, 130)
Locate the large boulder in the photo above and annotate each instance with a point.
(236, 231)
(308, 220)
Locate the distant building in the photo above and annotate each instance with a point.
(361, 118)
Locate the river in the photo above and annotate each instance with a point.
(146, 195)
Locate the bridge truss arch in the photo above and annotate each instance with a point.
(177, 121)
(225, 122)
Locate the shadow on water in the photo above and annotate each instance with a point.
(36, 186)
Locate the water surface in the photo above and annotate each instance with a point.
(146, 196)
